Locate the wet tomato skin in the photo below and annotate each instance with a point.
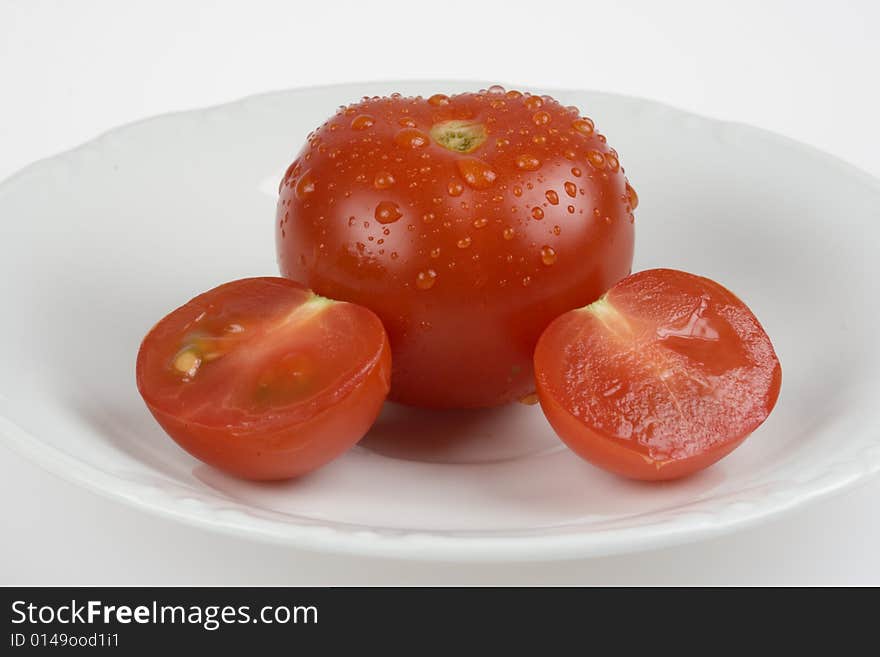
(466, 223)
(663, 376)
(281, 381)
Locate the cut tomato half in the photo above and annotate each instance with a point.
(263, 378)
(662, 376)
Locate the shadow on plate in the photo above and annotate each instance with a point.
(460, 436)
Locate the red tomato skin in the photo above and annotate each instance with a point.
(302, 440)
(465, 257)
(625, 458)
(292, 451)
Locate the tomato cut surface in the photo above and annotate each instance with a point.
(662, 376)
(264, 379)
(467, 223)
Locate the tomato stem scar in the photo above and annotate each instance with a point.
(459, 136)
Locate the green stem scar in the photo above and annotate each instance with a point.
(459, 136)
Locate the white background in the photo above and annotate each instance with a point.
(71, 70)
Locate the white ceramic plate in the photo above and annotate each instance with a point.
(98, 243)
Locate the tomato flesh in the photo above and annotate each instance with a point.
(466, 223)
(264, 379)
(664, 375)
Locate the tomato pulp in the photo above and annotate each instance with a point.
(264, 379)
(466, 223)
(664, 375)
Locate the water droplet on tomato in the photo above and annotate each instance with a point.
(517, 190)
(570, 209)
(435, 252)
(513, 94)
(584, 126)
(570, 188)
(612, 162)
(438, 100)
(480, 222)
(541, 118)
(383, 180)
(411, 138)
(476, 173)
(537, 213)
(508, 233)
(552, 197)
(632, 196)
(526, 281)
(407, 122)
(548, 255)
(528, 162)
(464, 242)
(428, 217)
(362, 122)
(387, 212)
(576, 172)
(557, 230)
(425, 279)
(495, 89)
(596, 158)
(533, 102)
(454, 188)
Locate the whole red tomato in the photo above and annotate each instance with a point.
(466, 223)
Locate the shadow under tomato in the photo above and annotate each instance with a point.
(459, 436)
